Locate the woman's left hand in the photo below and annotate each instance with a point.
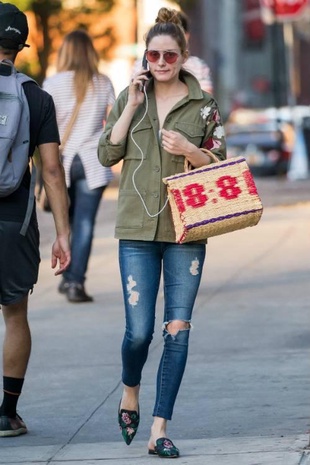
(173, 142)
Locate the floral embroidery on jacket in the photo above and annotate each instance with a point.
(216, 116)
(205, 111)
(212, 116)
(219, 132)
(212, 143)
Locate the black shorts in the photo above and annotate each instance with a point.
(19, 261)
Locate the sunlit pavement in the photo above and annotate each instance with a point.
(245, 394)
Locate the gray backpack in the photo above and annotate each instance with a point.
(14, 135)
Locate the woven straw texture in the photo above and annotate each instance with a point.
(213, 200)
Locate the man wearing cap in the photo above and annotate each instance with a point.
(19, 255)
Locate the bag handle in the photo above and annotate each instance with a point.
(189, 167)
(70, 125)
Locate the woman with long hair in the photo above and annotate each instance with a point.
(79, 89)
(162, 118)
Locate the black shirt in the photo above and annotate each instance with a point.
(43, 129)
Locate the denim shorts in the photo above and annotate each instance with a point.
(19, 261)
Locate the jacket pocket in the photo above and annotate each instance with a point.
(129, 215)
(139, 134)
(193, 132)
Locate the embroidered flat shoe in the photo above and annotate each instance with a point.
(165, 449)
(128, 421)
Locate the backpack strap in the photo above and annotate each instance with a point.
(31, 198)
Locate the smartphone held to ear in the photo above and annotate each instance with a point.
(144, 62)
(145, 66)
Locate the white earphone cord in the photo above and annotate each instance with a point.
(140, 164)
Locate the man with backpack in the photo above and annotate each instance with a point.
(19, 241)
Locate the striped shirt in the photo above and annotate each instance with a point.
(88, 127)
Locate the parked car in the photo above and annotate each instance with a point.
(262, 146)
(265, 138)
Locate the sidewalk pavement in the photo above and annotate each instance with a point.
(244, 399)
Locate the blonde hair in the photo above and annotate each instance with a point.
(77, 53)
(168, 23)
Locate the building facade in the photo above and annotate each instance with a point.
(253, 64)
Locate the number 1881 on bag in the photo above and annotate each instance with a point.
(213, 200)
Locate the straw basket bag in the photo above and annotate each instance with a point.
(213, 200)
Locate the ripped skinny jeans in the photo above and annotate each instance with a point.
(141, 264)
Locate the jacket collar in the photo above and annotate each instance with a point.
(194, 89)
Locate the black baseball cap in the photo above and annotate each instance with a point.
(13, 27)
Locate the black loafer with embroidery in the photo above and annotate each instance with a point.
(165, 449)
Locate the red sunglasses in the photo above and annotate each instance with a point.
(154, 55)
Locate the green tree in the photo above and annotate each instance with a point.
(53, 20)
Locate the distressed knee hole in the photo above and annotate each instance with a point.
(174, 326)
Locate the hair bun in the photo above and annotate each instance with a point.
(165, 15)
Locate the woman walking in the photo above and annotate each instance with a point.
(162, 118)
(83, 98)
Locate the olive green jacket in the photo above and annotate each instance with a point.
(142, 193)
